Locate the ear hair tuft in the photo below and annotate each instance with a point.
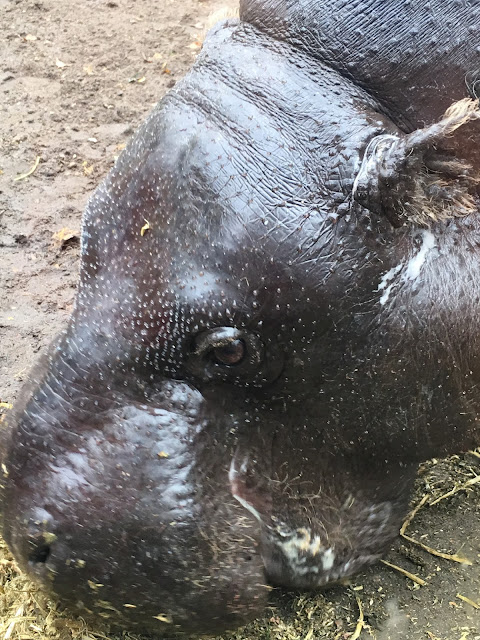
(416, 178)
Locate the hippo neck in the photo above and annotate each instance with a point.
(413, 57)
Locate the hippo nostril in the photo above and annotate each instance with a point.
(41, 551)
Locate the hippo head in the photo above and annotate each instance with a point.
(267, 338)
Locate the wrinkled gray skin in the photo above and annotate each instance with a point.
(244, 391)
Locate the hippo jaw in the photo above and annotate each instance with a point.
(320, 537)
(125, 515)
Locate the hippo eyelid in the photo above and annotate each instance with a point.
(206, 344)
(218, 337)
(227, 353)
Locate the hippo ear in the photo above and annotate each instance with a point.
(429, 175)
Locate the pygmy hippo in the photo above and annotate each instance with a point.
(276, 321)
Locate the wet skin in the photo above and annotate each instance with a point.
(245, 389)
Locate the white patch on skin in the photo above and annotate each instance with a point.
(416, 263)
(386, 294)
(328, 559)
(301, 547)
(232, 477)
(313, 563)
(411, 269)
(248, 507)
(346, 566)
(390, 275)
(302, 541)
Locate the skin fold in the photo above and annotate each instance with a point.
(246, 387)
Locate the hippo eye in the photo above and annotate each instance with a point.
(225, 352)
(230, 354)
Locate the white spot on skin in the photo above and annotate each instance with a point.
(299, 550)
(416, 263)
(412, 268)
(248, 507)
(390, 275)
(386, 294)
(328, 558)
(301, 541)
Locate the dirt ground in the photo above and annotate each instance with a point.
(76, 79)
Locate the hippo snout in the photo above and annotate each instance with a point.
(121, 521)
(144, 577)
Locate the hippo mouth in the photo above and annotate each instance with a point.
(166, 579)
(97, 573)
(136, 523)
(117, 515)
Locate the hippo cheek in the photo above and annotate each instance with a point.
(319, 523)
(129, 519)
